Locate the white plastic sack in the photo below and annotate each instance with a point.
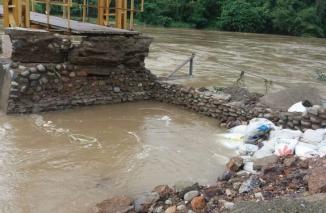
(306, 150)
(241, 129)
(263, 152)
(247, 149)
(297, 107)
(257, 128)
(322, 151)
(269, 145)
(249, 167)
(231, 140)
(285, 147)
(285, 134)
(314, 136)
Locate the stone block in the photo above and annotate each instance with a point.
(111, 50)
(37, 46)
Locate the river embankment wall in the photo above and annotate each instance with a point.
(50, 72)
(230, 112)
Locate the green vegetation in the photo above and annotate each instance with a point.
(288, 17)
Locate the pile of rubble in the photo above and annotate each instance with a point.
(272, 162)
(277, 177)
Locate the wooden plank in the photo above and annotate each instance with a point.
(76, 26)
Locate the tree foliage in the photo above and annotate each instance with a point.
(289, 17)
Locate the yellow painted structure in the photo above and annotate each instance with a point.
(113, 13)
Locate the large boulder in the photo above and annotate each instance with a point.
(234, 164)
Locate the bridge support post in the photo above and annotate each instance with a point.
(16, 13)
(100, 12)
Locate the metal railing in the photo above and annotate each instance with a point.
(117, 13)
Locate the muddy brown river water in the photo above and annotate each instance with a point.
(68, 161)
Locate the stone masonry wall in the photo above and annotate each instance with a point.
(46, 87)
(229, 113)
(51, 72)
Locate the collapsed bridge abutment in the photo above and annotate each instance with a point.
(53, 72)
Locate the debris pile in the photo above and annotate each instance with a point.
(281, 176)
(261, 138)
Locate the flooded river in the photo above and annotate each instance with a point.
(129, 149)
(68, 161)
(221, 56)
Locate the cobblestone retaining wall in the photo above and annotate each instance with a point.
(230, 113)
(52, 72)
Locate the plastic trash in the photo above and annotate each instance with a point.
(264, 152)
(322, 151)
(314, 136)
(241, 129)
(82, 139)
(257, 128)
(165, 118)
(248, 149)
(231, 140)
(285, 147)
(285, 134)
(249, 167)
(297, 107)
(267, 149)
(306, 150)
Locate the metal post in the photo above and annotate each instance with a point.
(100, 12)
(125, 14)
(68, 18)
(26, 14)
(191, 61)
(33, 5)
(6, 18)
(47, 12)
(84, 11)
(132, 10)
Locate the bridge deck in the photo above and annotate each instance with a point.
(76, 27)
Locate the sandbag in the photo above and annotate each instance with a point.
(285, 134)
(297, 107)
(322, 151)
(306, 150)
(247, 149)
(285, 147)
(267, 149)
(257, 128)
(314, 136)
(262, 153)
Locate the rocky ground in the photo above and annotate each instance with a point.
(280, 184)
